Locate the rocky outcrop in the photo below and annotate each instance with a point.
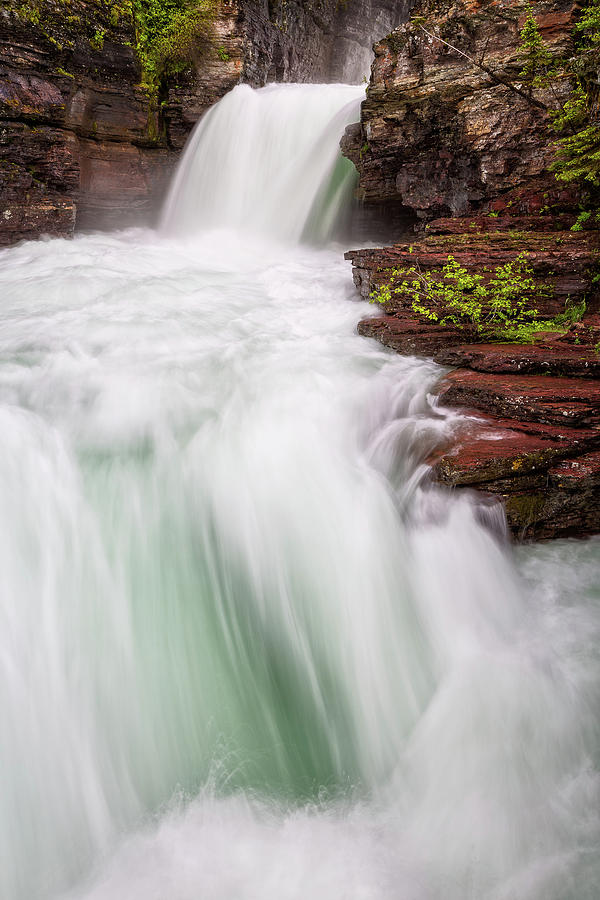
(79, 135)
(451, 136)
(531, 439)
(566, 261)
(84, 145)
(439, 134)
(546, 474)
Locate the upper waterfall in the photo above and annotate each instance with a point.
(267, 161)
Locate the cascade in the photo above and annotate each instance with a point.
(267, 161)
(247, 649)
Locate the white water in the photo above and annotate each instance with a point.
(267, 162)
(245, 651)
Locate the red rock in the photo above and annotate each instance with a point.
(547, 481)
(442, 137)
(537, 398)
(406, 333)
(492, 449)
(564, 261)
(529, 359)
(565, 504)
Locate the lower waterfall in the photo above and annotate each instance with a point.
(247, 649)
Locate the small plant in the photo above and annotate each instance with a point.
(537, 59)
(576, 122)
(582, 220)
(223, 54)
(28, 12)
(97, 40)
(498, 305)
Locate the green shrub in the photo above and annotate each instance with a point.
(578, 150)
(97, 39)
(500, 305)
(171, 34)
(537, 59)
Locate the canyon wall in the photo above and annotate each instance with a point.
(456, 143)
(83, 144)
(440, 135)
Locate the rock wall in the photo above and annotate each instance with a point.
(533, 439)
(439, 136)
(446, 138)
(83, 145)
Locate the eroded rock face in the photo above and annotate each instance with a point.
(532, 439)
(438, 135)
(78, 135)
(84, 145)
(468, 156)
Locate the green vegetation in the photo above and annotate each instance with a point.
(28, 12)
(499, 305)
(576, 119)
(537, 59)
(586, 219)
(97, 39)
(171, 34)
(578, 151)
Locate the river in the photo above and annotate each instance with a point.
(247, 649)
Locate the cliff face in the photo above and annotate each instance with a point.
(452, 135)
(282, 40)
(439, 135)
(84, 145)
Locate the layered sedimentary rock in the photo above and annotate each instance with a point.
(84, 144)
(439, 134)
(532, 439)
(79, 135)
(451, 135)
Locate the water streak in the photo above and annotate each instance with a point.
(267, 161)
(246, 649)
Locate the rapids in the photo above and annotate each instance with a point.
(246, 649)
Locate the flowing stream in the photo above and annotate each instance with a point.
(247, 651)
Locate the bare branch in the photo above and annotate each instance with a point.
(484, 51)
(493, 75)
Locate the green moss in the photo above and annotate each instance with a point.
(172, 34)
(29, 12)
(97, 39)
(525, 509)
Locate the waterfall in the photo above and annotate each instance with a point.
(247, 649)
(267, 161)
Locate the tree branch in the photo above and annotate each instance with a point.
(493, 75)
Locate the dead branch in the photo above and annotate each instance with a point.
(493, 75)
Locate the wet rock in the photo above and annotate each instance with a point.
(547, 358)
(439, 134)
(84, 145)
(547, 478)
(551, 401)
(565, 261)
(407, 334)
